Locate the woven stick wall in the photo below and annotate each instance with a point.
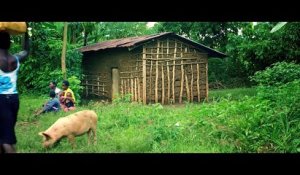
(95, 84)
(167, 71)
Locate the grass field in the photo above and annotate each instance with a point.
(131, 127)
(243, 120)
(233, 94)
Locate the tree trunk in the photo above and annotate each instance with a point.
(85, 38)
(63, 55)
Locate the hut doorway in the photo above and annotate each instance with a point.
(115, 82)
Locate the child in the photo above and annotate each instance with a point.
(51, 105)
(67, 98)
(68, 104)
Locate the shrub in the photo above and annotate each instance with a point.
(279, 73)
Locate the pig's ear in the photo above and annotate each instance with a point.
(46, 136)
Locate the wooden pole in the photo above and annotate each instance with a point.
(132, 87)
(150, 85)
(182, 78)
(162, 85)
(198, 83)
(122, 93)
(169, 86)
(168, 72)
(125, 86)
(192, 80)
(139, 90)
(135, 82)
(103, 89)
(206, 72)
(135, 90)
(98, 83)
(173, 82)
(144, 75)
(156, 75)
(128, 86)
(187, 87)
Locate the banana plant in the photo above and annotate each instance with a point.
(278, 26)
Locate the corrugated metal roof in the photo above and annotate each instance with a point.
(135, 41)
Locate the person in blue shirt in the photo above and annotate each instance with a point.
(52, 105)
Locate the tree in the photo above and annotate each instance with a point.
(257, 48)
(63, 54)
(211, 34)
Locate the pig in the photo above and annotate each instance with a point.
(71, 126)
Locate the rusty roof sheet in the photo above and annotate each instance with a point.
(123, 42)
(132, 42)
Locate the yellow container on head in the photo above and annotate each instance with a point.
(13, 28)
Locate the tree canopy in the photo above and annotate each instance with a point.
(249, 47)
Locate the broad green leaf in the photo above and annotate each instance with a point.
(278, 26)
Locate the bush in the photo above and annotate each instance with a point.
(278, 74)
(273, 124)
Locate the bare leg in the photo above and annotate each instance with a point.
(62, 106)
(38, 112)
(9, 148)
(72, 108)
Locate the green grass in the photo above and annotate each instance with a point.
(235, 123)
(233, 94)
(124, 128)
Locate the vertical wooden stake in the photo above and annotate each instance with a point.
(135, 90)
(128, 87)
(132, 87)
(144, 75)
(139, 90)
(98, 83)
(173, 82)
(168, 72)
(122, 93)
(192, 80)
(156, 76)
(198, 83)
(150, 83)
(162, 85)
(187, 87)
(206, 76)
(125, 86)
(182, 77)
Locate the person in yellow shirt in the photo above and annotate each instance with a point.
(67, 97)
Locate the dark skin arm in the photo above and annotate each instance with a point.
(25, 52)
(69, 96)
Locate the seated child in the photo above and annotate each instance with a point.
(51, 105)
(67, 103)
